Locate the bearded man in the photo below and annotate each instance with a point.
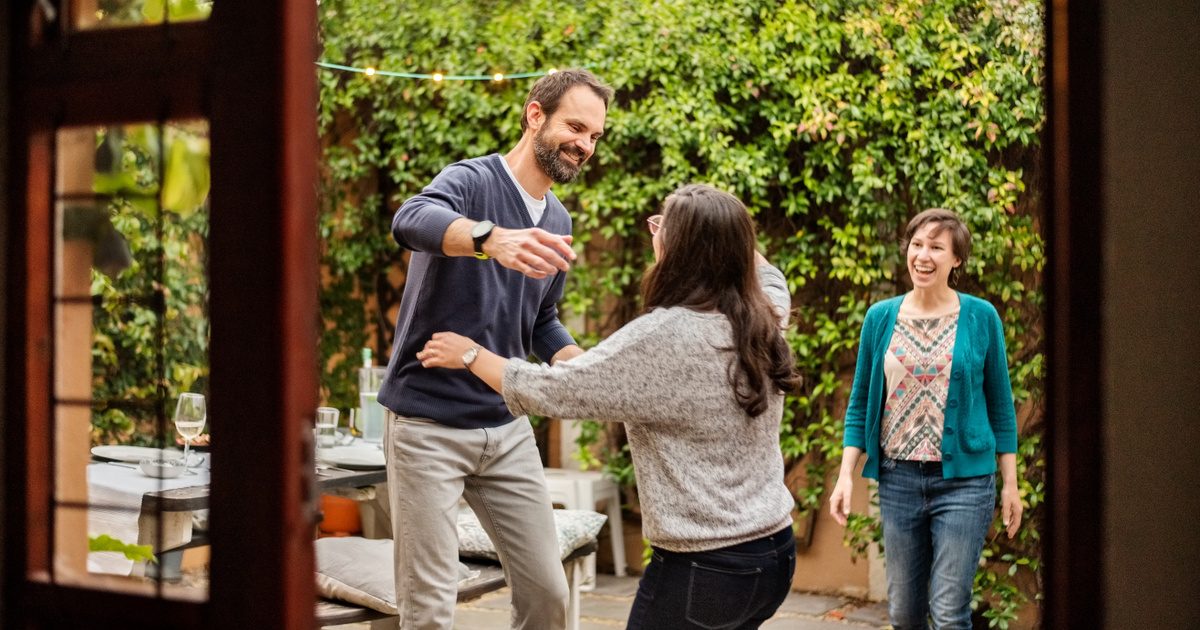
(491, 247)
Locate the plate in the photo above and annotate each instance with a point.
(352, 457)
(133, 454)
(161, 469)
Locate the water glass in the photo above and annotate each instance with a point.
(327, 421)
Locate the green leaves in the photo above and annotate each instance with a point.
(137, 553)
(186, 177)
(150, 322)
(834, 122)
(153, 11)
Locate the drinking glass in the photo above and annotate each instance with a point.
(189, 420)
(327, 421)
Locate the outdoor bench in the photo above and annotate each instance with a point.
(490, 578)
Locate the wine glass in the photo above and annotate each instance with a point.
(189, 420)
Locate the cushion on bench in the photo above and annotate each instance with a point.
(575, 529)
(360, 571)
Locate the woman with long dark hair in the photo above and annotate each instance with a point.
(698, 380)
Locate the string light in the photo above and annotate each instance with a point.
(371, 71)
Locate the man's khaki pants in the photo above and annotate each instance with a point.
(499, 472)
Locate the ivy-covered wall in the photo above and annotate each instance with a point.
(833, 121)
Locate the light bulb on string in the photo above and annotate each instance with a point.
(438, 77)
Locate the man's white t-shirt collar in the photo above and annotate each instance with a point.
(536, 207)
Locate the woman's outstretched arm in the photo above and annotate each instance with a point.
(446, 350)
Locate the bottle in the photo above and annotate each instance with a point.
(370, 412)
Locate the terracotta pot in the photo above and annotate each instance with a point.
(339, 516)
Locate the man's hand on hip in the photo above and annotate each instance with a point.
(532, 251)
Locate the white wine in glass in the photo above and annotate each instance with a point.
(190, 415)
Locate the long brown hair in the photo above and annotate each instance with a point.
(707, 263)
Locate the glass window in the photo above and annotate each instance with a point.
(94, 14)
(130, 343)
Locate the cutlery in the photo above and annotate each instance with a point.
(321, 467)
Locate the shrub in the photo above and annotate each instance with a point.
(834, 122)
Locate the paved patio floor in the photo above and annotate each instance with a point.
(607, 607)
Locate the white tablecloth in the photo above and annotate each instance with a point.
(111, 487)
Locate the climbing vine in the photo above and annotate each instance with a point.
(834, 122)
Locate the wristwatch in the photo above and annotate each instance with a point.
(480, 233)
(469, 356)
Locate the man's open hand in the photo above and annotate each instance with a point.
(533, 251)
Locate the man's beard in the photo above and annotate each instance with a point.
(549, 157)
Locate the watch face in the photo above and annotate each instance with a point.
(468, 357)
(481, 228)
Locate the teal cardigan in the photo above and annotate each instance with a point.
(980, 420)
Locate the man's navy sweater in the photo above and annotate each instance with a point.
(501, 309)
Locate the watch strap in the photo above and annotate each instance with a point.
(470, 355)
(479, 235)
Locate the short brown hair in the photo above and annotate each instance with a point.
(960, 236)
(548, 90)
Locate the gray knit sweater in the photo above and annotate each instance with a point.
(709, 476)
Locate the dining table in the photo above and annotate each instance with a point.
(171, 515)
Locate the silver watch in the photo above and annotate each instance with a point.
(469, 356)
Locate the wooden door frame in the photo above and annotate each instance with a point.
(1073, 552)
(1074, 535)
(264, 253)
(249, 71)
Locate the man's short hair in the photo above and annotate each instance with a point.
(548, 90)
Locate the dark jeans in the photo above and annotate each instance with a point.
(933, 531)
(733, 587)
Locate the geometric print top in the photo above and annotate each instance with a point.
(917, 367)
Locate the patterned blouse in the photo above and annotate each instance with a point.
(917, 367)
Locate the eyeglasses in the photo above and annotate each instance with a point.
(655, 223)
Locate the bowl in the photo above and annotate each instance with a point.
(162, 468)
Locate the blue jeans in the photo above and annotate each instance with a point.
(739, 586)
(933, 531)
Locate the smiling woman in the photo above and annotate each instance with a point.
(936, 359)
(936, 245)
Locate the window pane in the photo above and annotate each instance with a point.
(131, 336)
(91, 14)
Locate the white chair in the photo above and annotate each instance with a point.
(581, 490)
